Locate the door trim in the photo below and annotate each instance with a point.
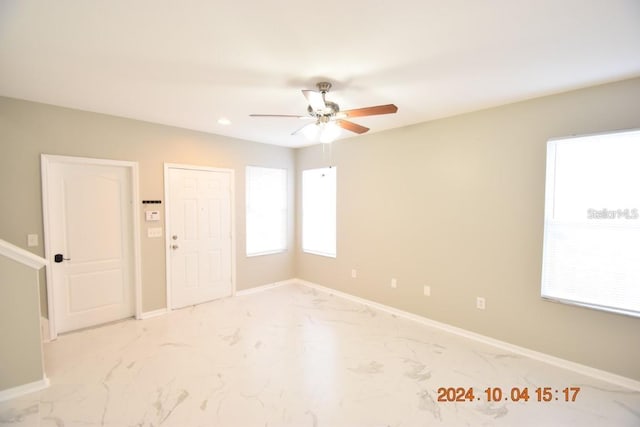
(167, 215)
(45, 161)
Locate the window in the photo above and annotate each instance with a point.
(266, 210)
(319, 211)
(592, 226)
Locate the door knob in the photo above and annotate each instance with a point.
(59, 258)
(174, 247)
(174, 237)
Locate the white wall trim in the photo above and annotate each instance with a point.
(44, 172)
(137, 245)
(44, 329)
(266, 287)
(45, 161)
(153, 313)
(167, 222)
(21, 390)
(536, 355)
(22, 256)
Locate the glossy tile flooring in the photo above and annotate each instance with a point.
(294, 356)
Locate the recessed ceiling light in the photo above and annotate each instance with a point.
(224, 121)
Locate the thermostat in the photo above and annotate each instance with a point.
(152, 215)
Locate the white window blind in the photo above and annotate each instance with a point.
(319, 211)
(591, 253)
(266, 210)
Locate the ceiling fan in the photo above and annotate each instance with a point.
(328, 117)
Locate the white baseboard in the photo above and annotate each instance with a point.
(543, 357)
(162, 311)
(153, 313)
(13, 392)
(265, 287)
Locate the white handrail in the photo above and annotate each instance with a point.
(22, 256)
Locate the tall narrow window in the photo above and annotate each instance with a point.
(319, 211)
(592, 227)
(266, 210)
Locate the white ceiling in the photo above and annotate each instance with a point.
(188, 63)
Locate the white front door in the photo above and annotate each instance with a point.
(90, 241)
(198, 234)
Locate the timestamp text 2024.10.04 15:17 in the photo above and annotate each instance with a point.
(514, 394)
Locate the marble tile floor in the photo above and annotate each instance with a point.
(294, 356)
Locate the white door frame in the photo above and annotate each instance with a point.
(45, 161)
(167, 218)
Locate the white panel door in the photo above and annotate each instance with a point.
(199, 230)
(90, 243)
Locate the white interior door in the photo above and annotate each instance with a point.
(199, 235)
(90, 242)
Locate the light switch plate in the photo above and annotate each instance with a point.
(154, 232)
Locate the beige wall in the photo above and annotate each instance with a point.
(29, 129)
(457, 204)
(21, 349)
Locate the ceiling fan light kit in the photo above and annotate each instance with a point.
(328, 132)
(329, 120)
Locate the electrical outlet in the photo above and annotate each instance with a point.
(32, 240)
(427, 291)
(354, 273)
(480, 303)
(394, 283)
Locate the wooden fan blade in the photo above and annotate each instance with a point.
(279, 115)
(371, 111)
(315, 99)
(353, 127)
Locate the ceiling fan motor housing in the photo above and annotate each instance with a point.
(330, 109)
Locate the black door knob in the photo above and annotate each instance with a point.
(59, 258)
